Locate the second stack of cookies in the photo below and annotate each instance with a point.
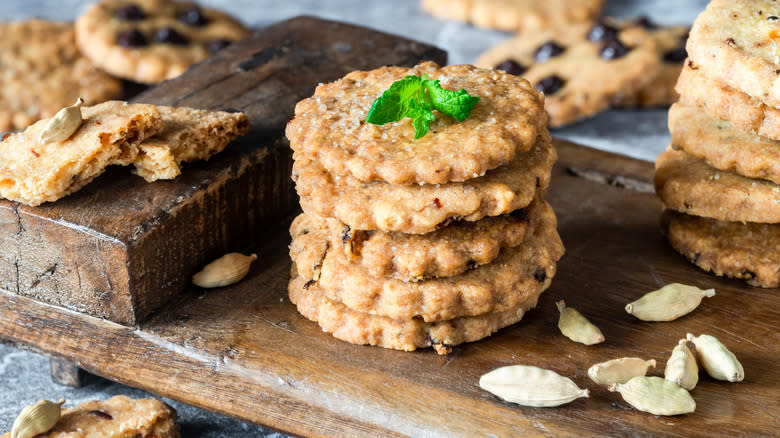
(720, 179)
(408, 243)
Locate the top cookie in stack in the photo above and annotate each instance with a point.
(400, 234)
(721, 184)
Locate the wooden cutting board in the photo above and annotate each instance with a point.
(244, 351)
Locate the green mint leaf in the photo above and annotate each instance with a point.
(393, 105)
(416, 98)
(456, 104)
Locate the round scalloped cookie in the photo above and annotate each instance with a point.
(446, 252)
(722, 145)
(744, 112)
(515, 15)
(746, 251)
(330, 126)
(149, 41)
(495, 287)
(688, 185)
(581, 71)
(422, 208)
(735, 43)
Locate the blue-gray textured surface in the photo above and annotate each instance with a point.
(24, 377)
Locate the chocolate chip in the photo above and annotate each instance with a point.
(218, 44)
(548, 50)
(550, 84)
(192, 16)
(772, 18)
(169, 35)
(131, 38)
(677, 55)
(540, 275)
(602, 31)
(646, 23)
(130, 12)
(613, 49)
(512, 67)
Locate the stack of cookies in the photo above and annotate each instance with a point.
(720, 178)
(432, 242)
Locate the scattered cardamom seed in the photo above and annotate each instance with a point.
(619, 370)
(655, 395)
(668, 303)
(719, 362)
(531, 386)
(36, 419)
(224, 271)
(63, 124)
(576, 327)
(681, 367)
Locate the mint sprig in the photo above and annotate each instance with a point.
(416, 97)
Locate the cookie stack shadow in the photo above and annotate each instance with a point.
(408, 251)
(720, 177)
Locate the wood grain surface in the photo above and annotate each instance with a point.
(244, 351)
(120, 248)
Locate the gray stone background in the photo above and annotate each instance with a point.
(24, 377)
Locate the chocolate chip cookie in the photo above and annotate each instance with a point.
(330, 126)
(688, 185)
(746, 251)
(735, 43)
(422, 208)
(515, 15)
(581, 70)
(42, 70)
(149, 41)
(722, 145)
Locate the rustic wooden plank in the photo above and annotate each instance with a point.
(244, 351)
(120, 248)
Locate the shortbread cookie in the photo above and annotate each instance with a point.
(33, 173)
(688, 185)
(670, 41)
(188, 134)
(515, 15)
(734, 42)
(495, 287)
(446, 252)
(582, 69)
(330, 126)
(742, 111)
(747, 251)
(42, 70)
(118, 417)
(722, 145)
(407, 334)
(149, 41)
(419, 209)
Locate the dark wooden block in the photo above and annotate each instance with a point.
(69, 374)
(121, 247)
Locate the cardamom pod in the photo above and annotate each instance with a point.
(576, 327)
(655, 395)
(619, 370)
(716, 359)
(63, 124)
(681, 367)
(37, 419)
(224, 271)
(668, 303)
(531, 386)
